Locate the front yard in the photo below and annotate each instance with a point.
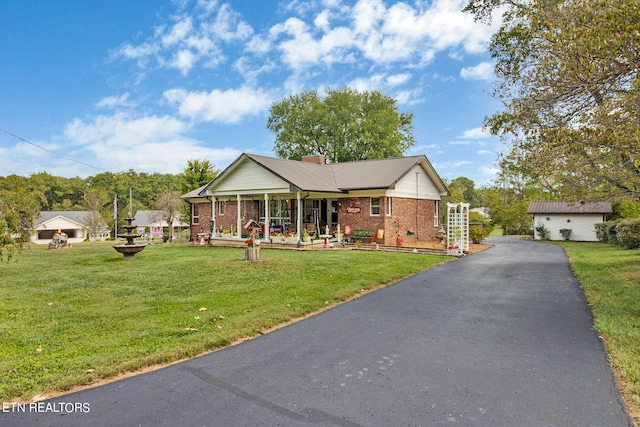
(75, 316)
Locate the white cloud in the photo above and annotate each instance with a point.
(482, 71)
(184, 60)
(457, 164)
(318, 34)
(228, 106)
(116, 101)
(124, 141)
(178, 33)
(373, 82)
(403, 33)
(398, 79)
(190, 39)
(475, 133)
(229, 26)
(130, 51)
(484, 152)
(208, 6)
(322, 20)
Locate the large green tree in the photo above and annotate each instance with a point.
(21, 205)
(568, 77)
(463, 189)
(197, 173)
(345, 125)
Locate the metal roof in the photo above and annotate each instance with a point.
(151, 217)
(79, 217)
(302, 175)
(570, 207)
(336, 177)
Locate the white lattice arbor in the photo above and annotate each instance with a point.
(457, 228)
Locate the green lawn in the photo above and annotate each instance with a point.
(76, 315)
(610, 277)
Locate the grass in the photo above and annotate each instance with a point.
(610, 277)
(74, 316)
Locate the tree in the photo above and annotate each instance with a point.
(95, 200)
(9, 229)
(197, 173)
(463, 189)
(568, 77)
(169, 203)
(23, 204)
(346, 125)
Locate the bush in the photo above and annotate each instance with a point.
(478, 218)
(477, 233)
(611, 231)
(601, 232)
(566, 233)
(543, 232)
(628, 233)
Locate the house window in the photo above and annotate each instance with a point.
(375, 206)
(195, 217)
(222, 205)
(436, 212)
(388, 207)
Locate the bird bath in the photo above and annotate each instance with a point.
(129, 249)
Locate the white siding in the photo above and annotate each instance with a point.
(582, 226)
(59, 223)
(250, 177)
(413, 183)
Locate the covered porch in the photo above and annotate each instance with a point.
(292, 218)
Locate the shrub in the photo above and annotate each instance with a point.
(566, 233)
(477, 233)
(601, 232)
(479, 219)
(543, 232)
(628, 233)
(611, 231)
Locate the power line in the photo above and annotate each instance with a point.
(51, 152)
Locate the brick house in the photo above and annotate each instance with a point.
(383, 199)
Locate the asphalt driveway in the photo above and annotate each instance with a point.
(499, 338)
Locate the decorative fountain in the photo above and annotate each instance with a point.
(131, 248)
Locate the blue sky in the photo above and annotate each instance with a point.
(113, 85)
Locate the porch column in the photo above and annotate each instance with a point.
(214, 200)
(299, 219)
(267, 232)
(239, 219)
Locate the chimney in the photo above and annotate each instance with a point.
(317, 159)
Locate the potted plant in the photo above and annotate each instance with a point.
(252, 251)
(305, 236)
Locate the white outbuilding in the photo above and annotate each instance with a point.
(578, 217)
(78, 226)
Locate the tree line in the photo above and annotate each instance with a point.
(23, 198)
